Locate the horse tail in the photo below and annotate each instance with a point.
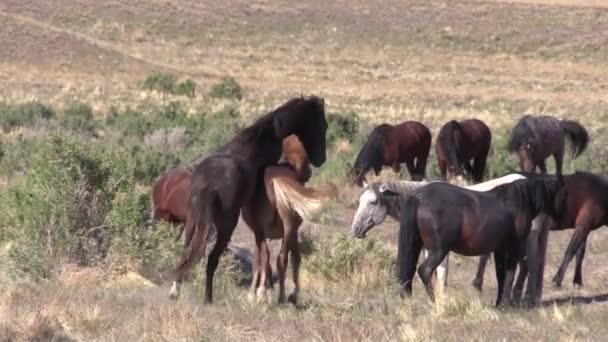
(446, 140)
(370, 156)
(299, 198)
(409, 243)
(197, 228)
(577, 134)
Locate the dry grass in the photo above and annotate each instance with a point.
(387, 61)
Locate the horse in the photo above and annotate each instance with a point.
(380, 199)
(226, 182)
(463, 143)
(387, 145)
(279, 211)
(170, 196)
(586, 210)
(535, 138)
(473, 223)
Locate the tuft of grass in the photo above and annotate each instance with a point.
(167, 84)
(226, 88)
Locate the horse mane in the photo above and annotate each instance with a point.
(446, 140)
(521, 133)
(370, 156)
(266, 126)
(525, 193)
(402, 187)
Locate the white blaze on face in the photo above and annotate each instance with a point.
(367, 199)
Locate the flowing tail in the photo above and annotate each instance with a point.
(303, 200)
(197, 230)
(409, 245)
(577, 134)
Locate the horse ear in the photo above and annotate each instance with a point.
(279, 125)
(364, 182)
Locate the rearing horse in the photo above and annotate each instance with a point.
(459, 143)
(227, 180)
(535, 138)
(408, 142)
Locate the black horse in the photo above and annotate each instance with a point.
(535, 138)
(228, 179)
(442, 217)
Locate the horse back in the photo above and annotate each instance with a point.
(409, 137)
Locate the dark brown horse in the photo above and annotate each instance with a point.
(535, 138)
(474, 223)
(465, 143)
(229, 179)
(586, 210)
(170, 196)
(277, 213)
(408, 142)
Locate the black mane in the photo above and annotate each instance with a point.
(370, 156)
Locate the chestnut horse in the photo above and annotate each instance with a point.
(586, 210)
(465, 143)
(277, 214)
(232, 177)
(408, 142)
(475, 223)
(170, 196)
(535, 138)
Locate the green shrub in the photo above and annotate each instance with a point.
(79, 118)
(150, 163)
(227, 88)
(23, 114)
(167, 83)
(60, 209)
(342, 126)
(187, 88)
(161, 82)
(337, 258)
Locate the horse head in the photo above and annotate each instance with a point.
(373, 208)
(306, 119)
(527, 153)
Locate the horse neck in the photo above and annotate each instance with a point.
(257, 144)
(404, 189)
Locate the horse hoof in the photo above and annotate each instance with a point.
(557, 284)
(251, 296)
(293, 298)
(578, 285)
(477, 285)
(174, 293)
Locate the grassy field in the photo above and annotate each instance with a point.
(383, 61)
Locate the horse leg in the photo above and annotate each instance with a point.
(415, 250)
(511, 266)
(500, 266)
(481, 269)
(255, 278)
(578, 272)
(411, 168)
(542, 166)
(559, 162)
(224, 231)
(542, 254)
(442, 169)
(580, 234)
(296, 258)
(265, 271)
(421, 161)
(534, 249)
(425, 271)
(518, 288)
(479, 167)
(396, 167)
